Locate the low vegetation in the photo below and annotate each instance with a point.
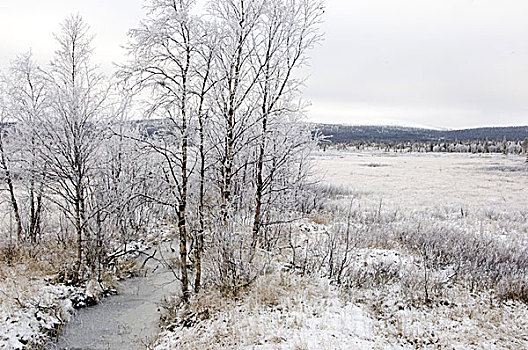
(465, 267)
(267, 253)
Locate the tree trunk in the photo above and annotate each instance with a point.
(79, 209)
(11, 189)
(78, 229)
(181, 218)
(230, 121)
(200, 236)
(201, 199)
(184, 184)
(259, 183)
(227, 168)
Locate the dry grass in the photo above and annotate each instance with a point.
(23, 267)
(278, 311)
(462, 238)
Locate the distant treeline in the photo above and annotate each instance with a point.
(394, 134)
(494, 146)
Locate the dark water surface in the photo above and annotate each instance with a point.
(125, 321)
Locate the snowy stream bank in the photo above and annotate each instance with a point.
(128, 320)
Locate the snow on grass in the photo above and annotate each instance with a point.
(281, 311)
(34, 304)
(458, 320)
(32, 310)
(460, 220)
(417, 180)
(30, 323)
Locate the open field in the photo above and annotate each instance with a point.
(414, 251)
(440, 245)
(415, 181)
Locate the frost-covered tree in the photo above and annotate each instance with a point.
(6, 166)
(121, 213)
(525, 148)
(225, 100)
(257, 136)
(71, 133)
(237, 22)
(27, 104)
(171, 64)
(287, 31)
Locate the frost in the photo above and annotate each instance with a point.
(287, 312)
(29, 322)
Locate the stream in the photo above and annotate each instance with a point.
(128, 320)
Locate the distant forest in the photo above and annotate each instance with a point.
(389, 134)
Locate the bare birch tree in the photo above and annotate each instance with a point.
(223, 88)
(5, 164)
(27, 104)
(70, 135)
(204, 85)
(238, 21)
(288, 30)
(167, 64)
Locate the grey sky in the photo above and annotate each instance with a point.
(436, 63)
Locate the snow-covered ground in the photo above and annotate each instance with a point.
(282, 311)
(408, 217)
(401, 287)
(414, 181)
(32, 309)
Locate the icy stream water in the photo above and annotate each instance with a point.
(128, 320)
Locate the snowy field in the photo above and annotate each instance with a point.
(415, 181)
(434, 256)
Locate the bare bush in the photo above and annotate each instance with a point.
(479, 262)
(232, 262)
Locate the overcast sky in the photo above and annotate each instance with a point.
(432, 63)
